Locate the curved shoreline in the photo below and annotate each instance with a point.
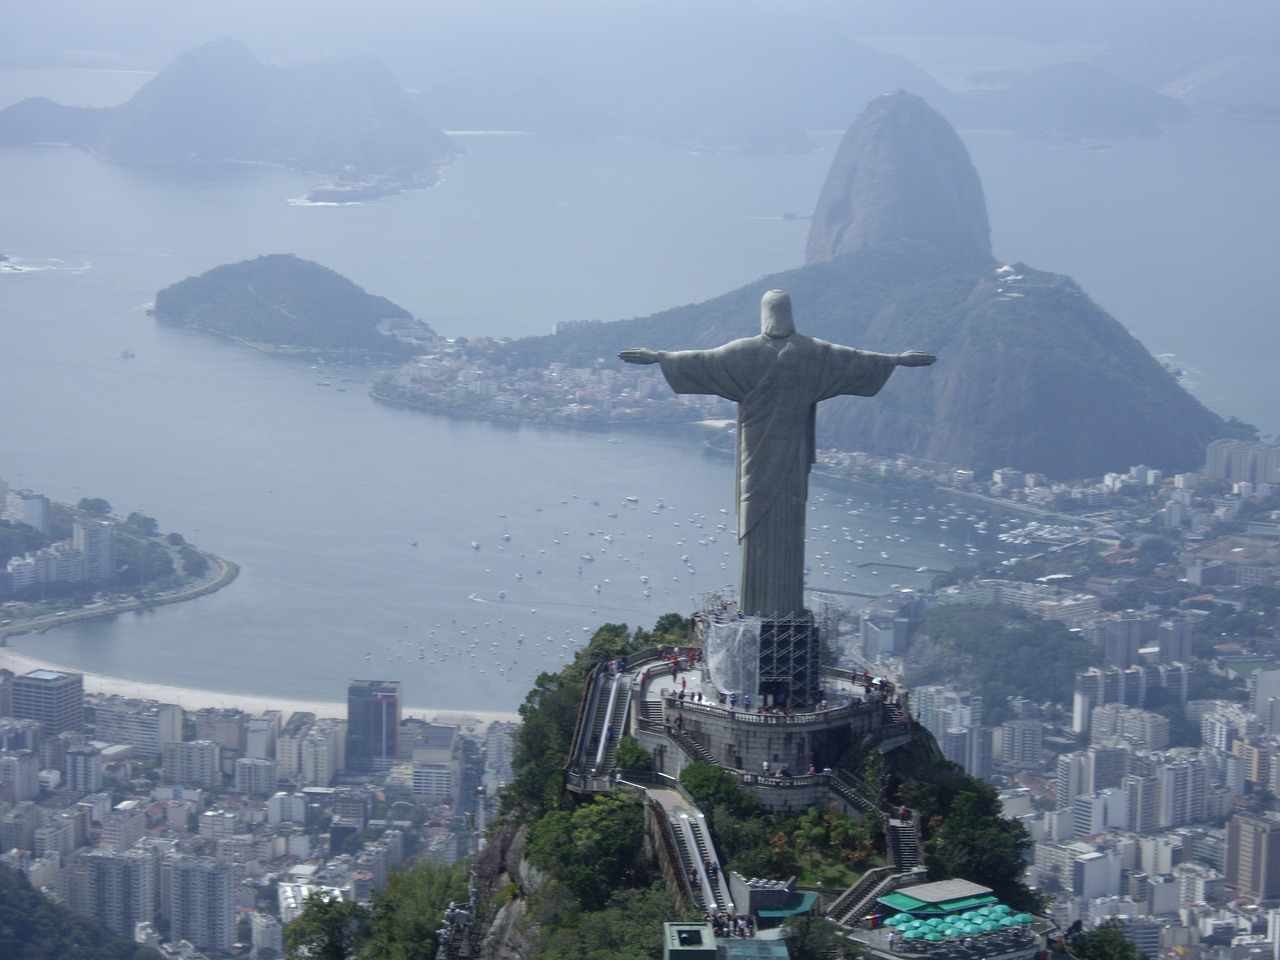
(226, 572)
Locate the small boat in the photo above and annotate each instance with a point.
(475, 544)
(127, 354)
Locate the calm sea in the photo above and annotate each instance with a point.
(321, 495)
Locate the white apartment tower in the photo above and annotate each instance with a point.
(202, 902)
(122, 888)
(95, 539)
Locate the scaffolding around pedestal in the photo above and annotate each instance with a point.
(776, 661)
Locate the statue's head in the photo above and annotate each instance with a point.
(775, 315)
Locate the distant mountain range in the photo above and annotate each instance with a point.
(349, 121)
(1031, 373)
(284, 304)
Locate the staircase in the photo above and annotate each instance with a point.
(695, 747)
(902, 843)
(859, 900)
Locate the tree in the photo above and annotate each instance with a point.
(194, 563)
(144, 525)
(327, 929)
(175, 539)
(594, 850)
(94, 507)
(812, 938)
(631, 756)
(975, 842)
(407, 912)
(713, 786)
(1105, 942)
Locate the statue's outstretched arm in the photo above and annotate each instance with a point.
(641, 355)
(915, 358)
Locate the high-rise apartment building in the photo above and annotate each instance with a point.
(122, 888)
(202, 902)
(19, 776)
(194, 763)
(254, 776)
(53, 697)
(146, 725)
(1253, 856)
(96, 540)
(29, 507)
(373, 724)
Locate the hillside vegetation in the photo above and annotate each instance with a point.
(289, 303)
(33, 927)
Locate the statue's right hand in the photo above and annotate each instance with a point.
(640, 355)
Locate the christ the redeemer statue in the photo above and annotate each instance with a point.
(777, 380)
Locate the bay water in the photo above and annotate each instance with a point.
(465, 557)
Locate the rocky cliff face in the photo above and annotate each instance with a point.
(1031, 373)
(901, 173)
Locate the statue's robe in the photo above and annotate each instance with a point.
(777, 384)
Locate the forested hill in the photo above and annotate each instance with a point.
(293, 305)
(33, 927)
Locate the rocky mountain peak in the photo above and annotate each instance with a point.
(901, 173)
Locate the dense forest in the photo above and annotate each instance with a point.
(33, 927)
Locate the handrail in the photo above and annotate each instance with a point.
(771, 719)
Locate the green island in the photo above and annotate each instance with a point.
(279, 303)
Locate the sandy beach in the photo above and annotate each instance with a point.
(192, 699)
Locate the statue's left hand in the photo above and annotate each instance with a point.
(915, 358)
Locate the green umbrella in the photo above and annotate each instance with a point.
(1008, 922)
(1023, 917)
(949, 931)
(984, 911)
(970, 915)
(915, 934)
(1001, 909)
(935, 922)
(894, 920)
(915, 925)
(933, 937)
(989, 925)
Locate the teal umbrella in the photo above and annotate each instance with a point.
(915, 925)
(1023, 917)
(988, 926)
(984, 911)
(935, 922)
(1001, 908)
(894, 920)
(934, 937)
(1008, 922)
(969, 915)
(949, 931)
(915, 934)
